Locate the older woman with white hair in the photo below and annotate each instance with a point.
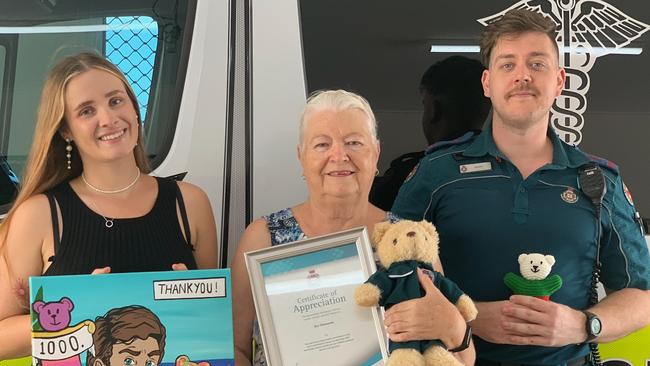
(338, 151)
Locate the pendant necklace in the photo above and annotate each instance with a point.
(108, 222)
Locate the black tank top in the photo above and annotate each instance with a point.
(152, 242)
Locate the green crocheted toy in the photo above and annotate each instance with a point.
(535, 269)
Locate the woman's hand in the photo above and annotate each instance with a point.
(429, 317)
(103, 270)
(179, 267)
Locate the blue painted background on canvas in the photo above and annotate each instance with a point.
(198, 328)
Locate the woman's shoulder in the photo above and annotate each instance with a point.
(189, 190)
(283, 226)
(279, 217)
(193, 195)
(256, 236)
(36, 206)
(263, 232)
(31, 221)
(379, 215)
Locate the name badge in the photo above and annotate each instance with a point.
(476, 167)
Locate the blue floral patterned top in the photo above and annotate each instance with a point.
(284, 229)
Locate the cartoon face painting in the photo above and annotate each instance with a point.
(128, 336)
(138, 352)
(89, 320)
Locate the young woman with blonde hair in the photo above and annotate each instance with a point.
(86, 203)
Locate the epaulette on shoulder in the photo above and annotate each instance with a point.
(604, 163)
(440, 144)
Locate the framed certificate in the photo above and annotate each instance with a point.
(304, 299)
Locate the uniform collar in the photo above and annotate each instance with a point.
(405, 266)
(564, 155)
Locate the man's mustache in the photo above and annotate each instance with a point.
(523, 89)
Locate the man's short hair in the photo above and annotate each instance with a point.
(514, 23)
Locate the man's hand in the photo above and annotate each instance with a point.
(429, 317)
(526, 320)
(489, 323)
(531, 321)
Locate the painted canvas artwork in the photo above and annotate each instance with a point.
(181, 318)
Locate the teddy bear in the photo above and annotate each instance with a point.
(534, 279)
(54, 316)
(403, 247)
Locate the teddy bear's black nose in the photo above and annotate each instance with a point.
(410, 234)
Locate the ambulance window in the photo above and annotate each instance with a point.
(147, 39)
(131, 44)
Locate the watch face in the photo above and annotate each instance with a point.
(594, 326)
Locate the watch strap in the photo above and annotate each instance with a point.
(467, 339)
(590, 317)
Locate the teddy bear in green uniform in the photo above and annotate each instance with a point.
(402, 248)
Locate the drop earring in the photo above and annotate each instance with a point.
(68, 150)
(140, 126)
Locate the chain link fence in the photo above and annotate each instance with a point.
(131, 44)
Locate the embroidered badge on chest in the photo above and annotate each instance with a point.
(569, 196)
(475, 168)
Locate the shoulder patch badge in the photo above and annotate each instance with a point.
(412, 173)
(628, 195)
(569, 196)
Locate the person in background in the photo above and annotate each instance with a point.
(453, 103)
(515, 189)
(338, 151)
(86, 203)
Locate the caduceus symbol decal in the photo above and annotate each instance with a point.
(587, 29)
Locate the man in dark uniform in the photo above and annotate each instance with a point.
(516, 189)
(453, 103)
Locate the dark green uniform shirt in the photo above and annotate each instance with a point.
(487, 215)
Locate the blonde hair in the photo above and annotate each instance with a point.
(46, 165)
(337, 100)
